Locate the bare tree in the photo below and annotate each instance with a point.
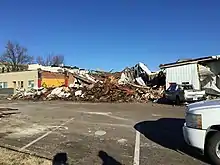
(50, 60)
(40, 60)
(58, 59)
(15, 56)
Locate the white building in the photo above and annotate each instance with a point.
(202, 73)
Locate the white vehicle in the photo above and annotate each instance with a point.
(202, 128)
(184, 93)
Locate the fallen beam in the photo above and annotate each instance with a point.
(9, 112)
(8, 109)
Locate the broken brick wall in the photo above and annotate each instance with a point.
(55, 79)
(52, 79)
(71, 79)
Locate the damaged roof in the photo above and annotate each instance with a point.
(189, 61)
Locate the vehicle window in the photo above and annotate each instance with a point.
(181, 87)
(172, 87)
(187, 87)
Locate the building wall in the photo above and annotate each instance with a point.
(30, 79)
(18, 79)
(71, 79)
(55, 79)
(52, 79)
(183, 73)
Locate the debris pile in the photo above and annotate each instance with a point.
(98, 92)
(8, 111)
(140, 74)
(109, 91)
(122, 86)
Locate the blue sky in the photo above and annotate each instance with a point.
(113, 34)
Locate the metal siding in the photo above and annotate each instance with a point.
(184, 73)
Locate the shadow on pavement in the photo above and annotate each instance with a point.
(107, 160)
(60, 159)
(167, 132)
(163, 100)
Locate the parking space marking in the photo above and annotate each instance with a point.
(44, 135)
(108, 114)
(117, 117)
(137, 149)
(96, 113)
(104, 124)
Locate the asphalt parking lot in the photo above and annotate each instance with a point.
(90, 133)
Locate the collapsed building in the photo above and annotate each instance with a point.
(134, 84)
(203, 73)
(141, 74)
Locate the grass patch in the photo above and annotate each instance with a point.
(8, 157)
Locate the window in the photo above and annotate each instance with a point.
(22, 84)
(173, 87)
(187, 87)
(31, 84)
(3, 85)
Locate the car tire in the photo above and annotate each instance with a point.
(212, 143)
(177, 100)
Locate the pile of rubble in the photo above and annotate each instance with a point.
(98, 92)
(101, 87)
(8, 111)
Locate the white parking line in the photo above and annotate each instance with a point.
(105, 124)
(44, 135)
(109, 114)
(137, 149)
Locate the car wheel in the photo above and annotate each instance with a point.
(177, 100)
(213, 148)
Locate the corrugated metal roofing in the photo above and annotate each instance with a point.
(191, 61)
(183, 73)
